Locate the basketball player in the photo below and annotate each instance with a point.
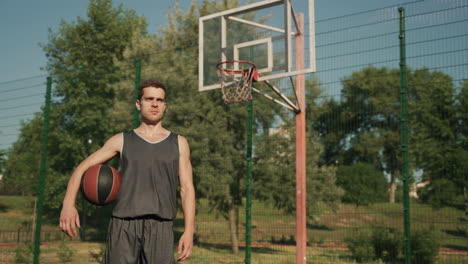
(153, 161)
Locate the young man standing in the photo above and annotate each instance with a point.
(152, 162)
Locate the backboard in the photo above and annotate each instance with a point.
(261, 32)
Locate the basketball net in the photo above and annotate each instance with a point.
(235, 78)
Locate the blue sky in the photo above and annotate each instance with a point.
(24, 24)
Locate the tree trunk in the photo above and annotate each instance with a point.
(233, 226)
(33, 226)
(392, 190)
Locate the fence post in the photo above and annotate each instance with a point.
(404, 137)
(45, 134)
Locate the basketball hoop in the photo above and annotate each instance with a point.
(235, 78)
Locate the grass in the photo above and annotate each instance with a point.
(273, 233)
(83, 254)
(16, 212)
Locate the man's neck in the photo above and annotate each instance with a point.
(152, 132)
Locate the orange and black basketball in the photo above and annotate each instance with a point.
(100, 184)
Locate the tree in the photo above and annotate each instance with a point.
(22, 166)
(362, 182)
(434, 136)
(433, 122)
(3, 156)
(81, 60)
(461, 109)
(462, 115)
(274, 169)
(367, 127)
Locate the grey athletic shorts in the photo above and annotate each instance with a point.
(142, 240)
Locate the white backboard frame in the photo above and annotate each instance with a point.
(289, 20)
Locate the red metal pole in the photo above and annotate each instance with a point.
(301, 219)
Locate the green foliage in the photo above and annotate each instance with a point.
(361, 247)
(274, 167)
(461, 108)
(432, 122)
(65, 253)
(388, 243)
(424, 246)
(448, 189)
(365, 125)
(22, 165)
(82, 59)
(380, 243)
(3, 156)
(440, 192)
(24, 253)
(363, 184)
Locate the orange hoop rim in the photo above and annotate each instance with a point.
(218, 66)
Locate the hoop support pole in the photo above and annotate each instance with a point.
(301, 219)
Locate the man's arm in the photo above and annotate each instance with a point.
(187, 195)
(69, 218)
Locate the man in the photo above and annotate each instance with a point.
(152, 162)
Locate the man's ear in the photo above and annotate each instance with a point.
(138, 105)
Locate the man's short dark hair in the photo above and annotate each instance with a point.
(150, 83)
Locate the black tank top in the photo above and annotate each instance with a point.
(150, 173)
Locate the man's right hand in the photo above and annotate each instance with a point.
(69, 221)
(69, 218)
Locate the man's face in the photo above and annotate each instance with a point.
(152, 104)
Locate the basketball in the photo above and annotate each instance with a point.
(100, 184)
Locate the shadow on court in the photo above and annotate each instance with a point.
(319, 227)
(3, 208)
(457, 233)
(457, 247)
(228, 247)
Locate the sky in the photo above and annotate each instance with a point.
(24, 25)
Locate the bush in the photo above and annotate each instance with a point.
(24, 253)
(65, 253)
(363, 184)
(387, 243)
(424, 247)
(380, 243)
(361, 246)
(440, 193)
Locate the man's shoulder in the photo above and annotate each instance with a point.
(114, 142)
(117, 138)
(183, 142)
